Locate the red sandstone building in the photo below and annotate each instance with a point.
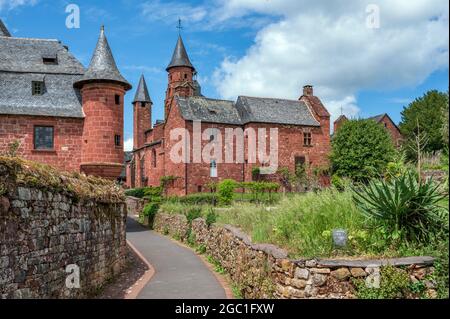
(72, 118)
(383, 119)
(303, 131)
(59, 112)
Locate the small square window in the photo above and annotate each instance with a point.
(37, 88)
(43, 138)
(142, 104)
(117, 99)
(117, 140)
(307, 139)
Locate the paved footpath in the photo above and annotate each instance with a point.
(179, 273)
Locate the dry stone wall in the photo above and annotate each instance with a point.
(265, 271)
(47, 225)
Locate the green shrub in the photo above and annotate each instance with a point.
(211, 217)
(150, 211)
(198, 199)
(394, 283)
(226, 191)
(361, 150)
(403, 208)
(153, 192)
(338, 183)
(193, 214)
(136, 192)
(258, 189)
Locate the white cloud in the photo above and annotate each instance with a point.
(12, 4)
(128, 145)
(327, 44)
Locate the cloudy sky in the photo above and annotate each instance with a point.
(363, 57)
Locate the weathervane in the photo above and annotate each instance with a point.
(179, 27)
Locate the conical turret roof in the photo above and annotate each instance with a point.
(3, 30)
(142, 92)
(103, 66)
(180, 56)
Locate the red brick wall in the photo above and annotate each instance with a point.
(199, 174)
(104, 120)
(291, 145)
(174, 120)
(67, 139)
(338, 123)
(180, 81)
(142, 123)
(393, 130)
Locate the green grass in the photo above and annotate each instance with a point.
(302, 224)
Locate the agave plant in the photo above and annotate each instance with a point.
(404, 207)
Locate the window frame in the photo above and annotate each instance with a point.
(117, 99)
(213, 172)
(117, 140)
(307, 139)
(35, 146)
(35, 85)
(154, 158)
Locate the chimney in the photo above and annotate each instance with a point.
(308, 90)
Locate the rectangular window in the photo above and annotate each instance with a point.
(117, 140)
(307, 139)
(117, 99)
(43, 138)
(213, 168)
(50, 60)
(154, 158)
(37, 88)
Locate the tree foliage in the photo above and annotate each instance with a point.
(361, 150)
(428, 111)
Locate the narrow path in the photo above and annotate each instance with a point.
(179, 273)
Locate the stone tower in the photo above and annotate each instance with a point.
(102, 92)
(181, 75)
(142, 112)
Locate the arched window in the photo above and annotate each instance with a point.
(154, 158)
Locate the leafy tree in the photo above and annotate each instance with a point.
(428, 111)
(445, 127)
(361, 150)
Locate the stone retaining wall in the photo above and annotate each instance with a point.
(135, 205)
(45, 228)
(265, 271)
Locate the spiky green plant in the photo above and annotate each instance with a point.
(405, 208)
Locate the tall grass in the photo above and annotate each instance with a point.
(302, 223)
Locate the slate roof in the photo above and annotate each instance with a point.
(21, 62)
(377, 118)
(246, 110)
(209, 110)
(103, 66)
(279, 111)
(180, 56)
(3, 30)
(142, 92)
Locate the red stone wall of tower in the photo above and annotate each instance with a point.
(142, 122)
(100, 155)
(180, 84)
